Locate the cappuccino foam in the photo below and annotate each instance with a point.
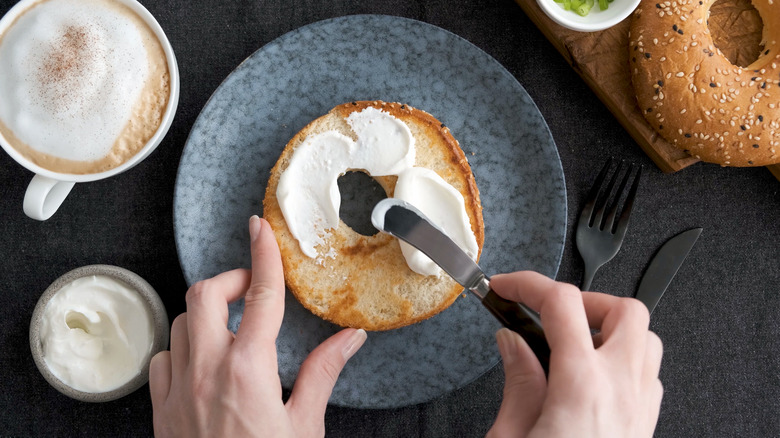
(83, 84)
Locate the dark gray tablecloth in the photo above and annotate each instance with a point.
(719, 320)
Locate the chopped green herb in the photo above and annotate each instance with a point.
(583, 7)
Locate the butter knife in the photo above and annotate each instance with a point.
(403, 221)
(664, 266)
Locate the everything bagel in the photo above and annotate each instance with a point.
(696, 98)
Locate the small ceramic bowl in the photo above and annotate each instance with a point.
(154, 306)
(595, 20)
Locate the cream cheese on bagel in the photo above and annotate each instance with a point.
(309, 197)
(370, 281)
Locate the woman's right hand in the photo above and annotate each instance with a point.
(598, 386)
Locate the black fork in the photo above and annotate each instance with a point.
(599, 237)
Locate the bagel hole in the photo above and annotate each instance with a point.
(359, 194)
(736, 28)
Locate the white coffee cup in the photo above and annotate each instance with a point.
(48, 189)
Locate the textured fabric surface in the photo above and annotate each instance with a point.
(719, 320)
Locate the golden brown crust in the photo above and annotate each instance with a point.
(693, 96)
(368, 284)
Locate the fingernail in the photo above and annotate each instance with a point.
(507, 345)
(355, 342)
(254, 227)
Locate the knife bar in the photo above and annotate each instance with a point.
(523, 321)
(405, 222)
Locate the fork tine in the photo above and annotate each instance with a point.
(593, 195)
(613, 207)
(626, 214)
(597, 221)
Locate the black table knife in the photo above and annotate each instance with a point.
(400, 219)
(663, 267)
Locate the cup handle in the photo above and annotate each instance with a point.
(44, 196)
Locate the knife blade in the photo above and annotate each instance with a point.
(403, 221)
(664, 266)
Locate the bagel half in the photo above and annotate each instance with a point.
(367, 284)
(693, 96)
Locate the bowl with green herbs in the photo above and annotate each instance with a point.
(588, 15)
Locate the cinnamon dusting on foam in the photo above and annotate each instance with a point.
(66, 64)
(70, 78)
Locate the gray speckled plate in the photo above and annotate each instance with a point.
(303, 74)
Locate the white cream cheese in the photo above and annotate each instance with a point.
(96, 334)
(308, 190)
(309, 197)
(444, 206)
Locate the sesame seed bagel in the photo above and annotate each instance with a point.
(365, 282)
(693, 96)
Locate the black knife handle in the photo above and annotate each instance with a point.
(522, 320)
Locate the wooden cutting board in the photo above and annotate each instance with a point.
(601, 59)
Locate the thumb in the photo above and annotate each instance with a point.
(160, 378)
(317, 377)
(524, 389)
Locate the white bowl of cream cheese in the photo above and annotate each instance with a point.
(95, 330)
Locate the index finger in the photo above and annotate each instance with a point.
(559, 305)
(264, 300)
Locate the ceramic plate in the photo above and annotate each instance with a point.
(301, 75)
